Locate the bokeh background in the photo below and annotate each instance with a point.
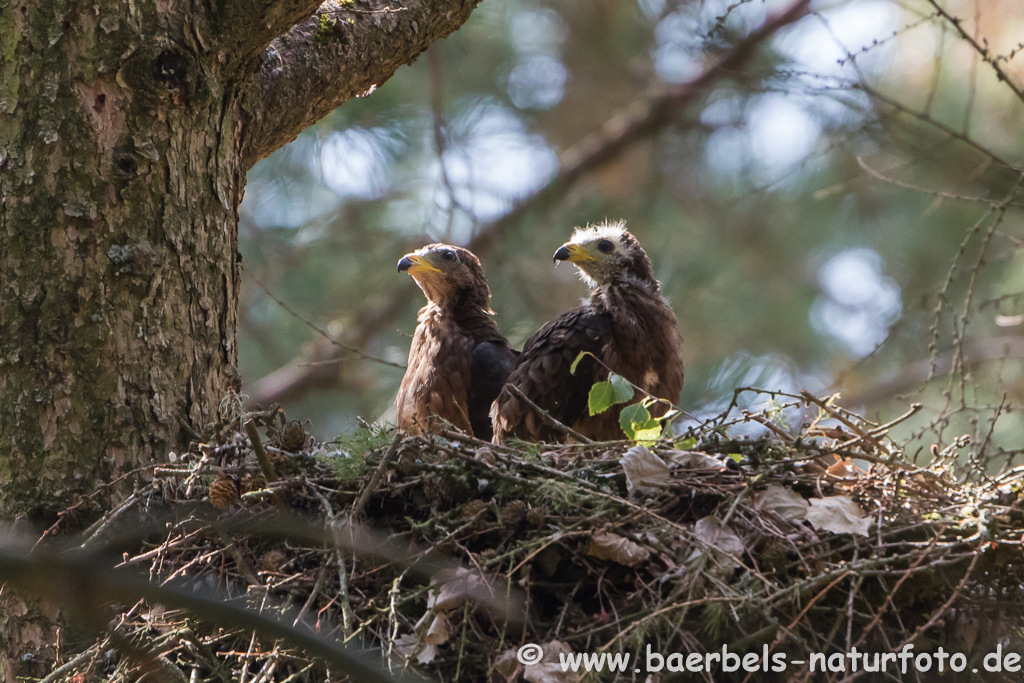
(840, 212)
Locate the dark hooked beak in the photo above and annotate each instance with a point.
(573, 253)
(562, 254)
(414, 263)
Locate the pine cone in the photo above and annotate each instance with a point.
(535, 516)
(293, 436)
(473, 508)
(485, 455)
(273, 560)
(513, 512)
(223, 492)
(252, 482)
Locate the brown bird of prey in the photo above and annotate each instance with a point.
(626, 324)
(459, 360)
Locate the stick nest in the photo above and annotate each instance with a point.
(442, 555)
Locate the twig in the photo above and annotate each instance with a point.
(880, 430)
(892, 592)
(774, 428)
(59, 672)
(347, 616)
(878, 175)
(920, 371)
(453, 435)
(928, 119)
(547, 417)
(264, 460)
(855, 428)
(244, 568)
(938, 613)
(108, 520)
(800, 616)
(371, 485)
(266, 466)
(313, 595)
(323, 333)
(981, 50)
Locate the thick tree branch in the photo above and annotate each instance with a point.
(639, 122)
(242, 28)
(339, 53)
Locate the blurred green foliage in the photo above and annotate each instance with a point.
(843, 213)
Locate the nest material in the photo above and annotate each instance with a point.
(792, 544)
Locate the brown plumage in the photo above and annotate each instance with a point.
(625, 323)
(459, 360)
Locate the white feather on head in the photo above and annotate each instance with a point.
(608, 230)
(627, 261)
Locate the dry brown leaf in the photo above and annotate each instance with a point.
(440, 630)
(456, 586)
(507, 664)
(845, 469)
(838, 514)
(969, 631)
(609, 546)
(782, 502)
(716, 534)
(643, 468)
(427, 654)
(407, 646)
(694, 460)
(549, 669)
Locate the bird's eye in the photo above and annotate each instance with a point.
(449, 256)
(605, 246)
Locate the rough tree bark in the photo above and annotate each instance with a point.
(126, 130)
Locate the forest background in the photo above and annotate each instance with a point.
(840, 213)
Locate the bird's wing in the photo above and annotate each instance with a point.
(543, 375)
(436, 383)
(491, 364)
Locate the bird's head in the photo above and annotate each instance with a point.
(607, 253)
(448, 275)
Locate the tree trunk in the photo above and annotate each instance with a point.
(126, 130)
(118, 265)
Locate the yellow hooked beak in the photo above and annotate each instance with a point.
(573, 253)
(414, 263)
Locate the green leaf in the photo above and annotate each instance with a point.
(652, 434)
(687, 444)
(600, 398)
(635, 419)
(575, 363)
(603, 395)
(623, 390)
(738, 457)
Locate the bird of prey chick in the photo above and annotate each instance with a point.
(625, 323)
(459, 360)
